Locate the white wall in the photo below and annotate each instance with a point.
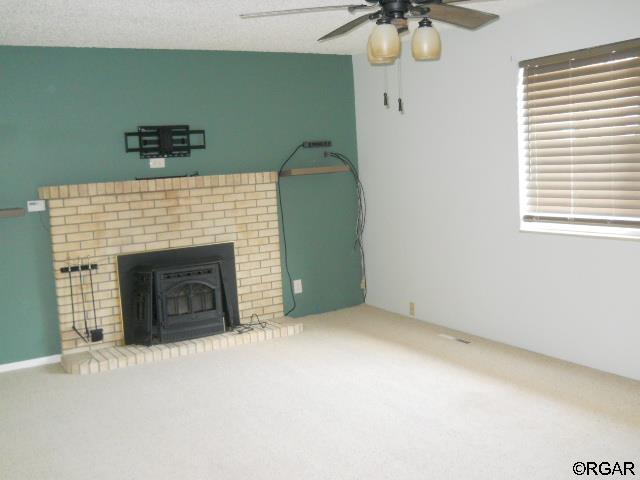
(442, 192)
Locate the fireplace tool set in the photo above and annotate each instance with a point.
(89, 335)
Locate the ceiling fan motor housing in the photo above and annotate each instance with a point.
(395, 8)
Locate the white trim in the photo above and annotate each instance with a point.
(601, 231)
(34, 362)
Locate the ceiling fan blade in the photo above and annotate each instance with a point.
(463, 17)
(328, 8)
(456, 1)
(347, 27)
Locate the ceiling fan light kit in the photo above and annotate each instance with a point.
(384, 41)
(373, 60)
(426, 44)
(392, 19)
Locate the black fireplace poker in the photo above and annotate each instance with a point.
(96, 334)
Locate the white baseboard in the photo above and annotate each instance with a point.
(34, 362)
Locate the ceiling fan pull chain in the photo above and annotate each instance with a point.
(399, 71)
(386, 86)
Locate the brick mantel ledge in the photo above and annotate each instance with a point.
(139, 186)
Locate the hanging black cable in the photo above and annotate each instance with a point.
(284, 234)
(361, 218)
(360, 221)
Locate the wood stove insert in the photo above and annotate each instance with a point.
(178, 294)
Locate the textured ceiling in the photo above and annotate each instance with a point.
(187, 24)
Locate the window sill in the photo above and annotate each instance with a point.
(619, 233)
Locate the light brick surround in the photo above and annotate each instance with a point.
(96, 222)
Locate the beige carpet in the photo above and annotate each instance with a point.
(361, 394)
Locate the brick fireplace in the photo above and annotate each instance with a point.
(96, 223)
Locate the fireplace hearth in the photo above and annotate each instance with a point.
(180, 294)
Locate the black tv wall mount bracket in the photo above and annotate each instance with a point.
(164, 141)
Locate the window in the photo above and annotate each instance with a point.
(579, 119)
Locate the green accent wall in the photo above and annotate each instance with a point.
(63, 113)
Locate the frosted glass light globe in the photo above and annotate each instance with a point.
(426, 44)
(373, 60)
(385, 41)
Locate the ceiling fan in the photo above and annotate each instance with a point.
(392, 19)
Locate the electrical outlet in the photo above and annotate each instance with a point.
(412, 309)
(156, 162)
(297, 286)
(36, 206)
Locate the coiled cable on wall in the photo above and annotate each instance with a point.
(360, 221)
(361, 217)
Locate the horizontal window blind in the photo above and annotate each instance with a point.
(580, 121)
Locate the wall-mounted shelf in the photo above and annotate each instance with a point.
(296, 172)
(11, 212)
